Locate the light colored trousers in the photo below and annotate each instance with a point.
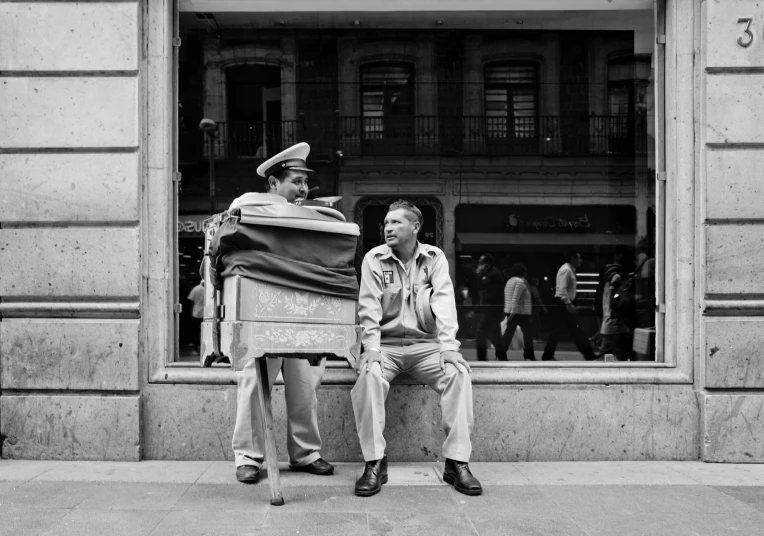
(422, 361)
(301, 382)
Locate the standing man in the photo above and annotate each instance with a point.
(286, 174)
(398, 337)
(564, 311)
(491, 295)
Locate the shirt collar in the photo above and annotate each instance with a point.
(420, 250)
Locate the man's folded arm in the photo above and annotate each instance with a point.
(370, 304)
(443, 305)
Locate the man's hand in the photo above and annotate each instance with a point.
(571, 308)
(455, 358)
(510, 316)
(368, 358)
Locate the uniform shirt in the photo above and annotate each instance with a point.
(517, 297)
(387, 299)
(566, 283)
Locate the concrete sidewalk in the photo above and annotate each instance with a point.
(195, 498)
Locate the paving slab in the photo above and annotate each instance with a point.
(111, 523)
(495, 474)
(503, 524)
(413, 474)
(15, 521)
(278, 523)
(224, 498)
(608, 523)
(321, 499)
(508, 500)
(210, 523)
(601, 473)
(22, 470)
(720, 474)
(592, 500)
(723, 524)
(146, 471)
(684, 501)
(225, 473)
(748, 495)
(421, 499)
(134, 496)
(415, 524)
(42, 495)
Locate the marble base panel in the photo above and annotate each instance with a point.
(733, 428)
(512, 424)
(39, 427)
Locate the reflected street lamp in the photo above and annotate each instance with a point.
(210, 128)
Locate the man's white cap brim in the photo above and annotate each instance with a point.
(292, 158)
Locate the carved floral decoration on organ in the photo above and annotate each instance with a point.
(300, 304)
(267, 297)
(300, 337)
(295, 303)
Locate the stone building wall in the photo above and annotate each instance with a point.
(731, 191)
(70, 176)
(87, 286)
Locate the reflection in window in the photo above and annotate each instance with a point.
(387, 101)
(521, 170)
(511, 100)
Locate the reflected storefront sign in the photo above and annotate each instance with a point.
(191, 225)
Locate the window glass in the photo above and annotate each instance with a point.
(526, 139)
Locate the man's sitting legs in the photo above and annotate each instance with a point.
(423, 362)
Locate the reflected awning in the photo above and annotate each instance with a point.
(548, 239)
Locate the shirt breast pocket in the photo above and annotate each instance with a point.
(391, 300)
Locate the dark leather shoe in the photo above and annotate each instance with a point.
(458, 474)
(319, 467)
(248, 474)
(374, 475)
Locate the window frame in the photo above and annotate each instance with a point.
(676, 322)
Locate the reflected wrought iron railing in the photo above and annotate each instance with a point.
(552, 135)
(494, 135)
(256, 139)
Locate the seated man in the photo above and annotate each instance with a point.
(286, 175)
(396, 341)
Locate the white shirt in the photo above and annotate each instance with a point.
(566, 283)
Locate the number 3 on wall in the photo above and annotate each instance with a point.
(745, 41)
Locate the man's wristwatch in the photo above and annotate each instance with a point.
(374, 350)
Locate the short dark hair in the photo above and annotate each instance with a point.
(411, 208)
(279, 175)
(518, 270)
(572, 253)
(489, 260)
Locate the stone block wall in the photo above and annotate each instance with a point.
(732, 187)
(70, 179)
(75, 239)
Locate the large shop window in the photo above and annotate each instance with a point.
(532, 151)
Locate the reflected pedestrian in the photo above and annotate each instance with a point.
(564, 311)
(196, 297)
(617, 308)
(517, 307)
(537, 305)
(491, 300)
